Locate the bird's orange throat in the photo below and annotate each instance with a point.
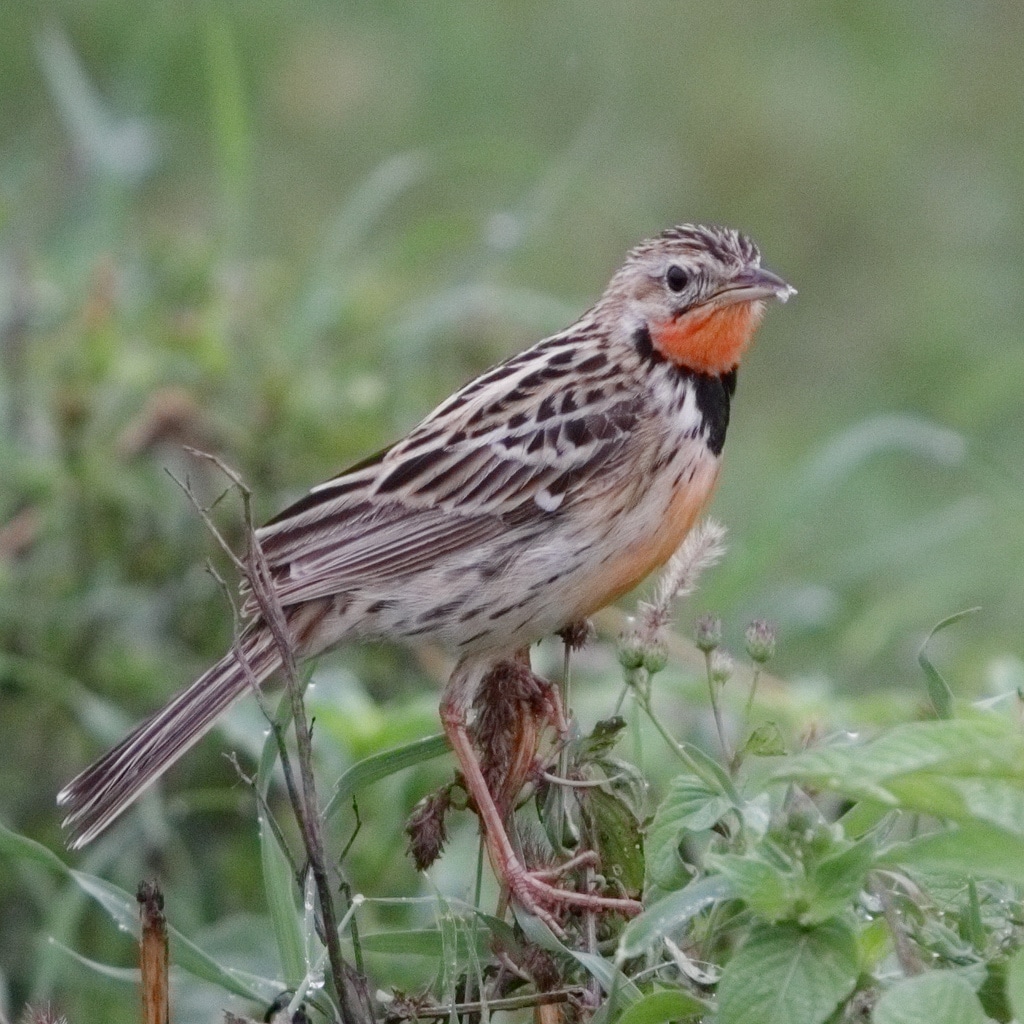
(709, 339)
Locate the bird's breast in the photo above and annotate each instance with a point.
(651, 534)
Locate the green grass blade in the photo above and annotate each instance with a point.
(380, 766)
(231, 134)
(122, 908)
(668, 915)
(278, 881)
(939, 691)
(125, 975)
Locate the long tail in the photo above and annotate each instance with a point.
(109, 786)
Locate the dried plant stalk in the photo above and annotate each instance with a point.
(153, 955)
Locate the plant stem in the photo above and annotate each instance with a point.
(717, 710)
(350, 987)
(559, 812)
(677, 748)
(753, 691)
(347, 984)
(508, 1003)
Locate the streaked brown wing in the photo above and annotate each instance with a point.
(501, 457)
(382, 542)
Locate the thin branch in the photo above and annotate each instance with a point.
(346, 891)
(356, 829)
(153, 955)
(590, 921)
(581, 783)
(276, 728)
(204, 514)
(275, 827)
(349, 986)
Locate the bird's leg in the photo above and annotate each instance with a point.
(530, 889)
(512, 706)
(555, 710)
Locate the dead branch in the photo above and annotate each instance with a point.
(350, 987)
(153, 955)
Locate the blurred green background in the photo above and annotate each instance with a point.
(284, 231)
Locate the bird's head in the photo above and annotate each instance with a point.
(700, 292)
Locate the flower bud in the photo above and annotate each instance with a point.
(721, 667)
(630, 651)
(655, 657)
(709, 633)
(760, 637)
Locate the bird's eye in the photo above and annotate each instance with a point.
(676, 278)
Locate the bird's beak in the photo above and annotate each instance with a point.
(751, 284)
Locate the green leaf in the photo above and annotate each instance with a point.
(980, 850)
(939, 692)
(713, 768)
(836, 881)
(380, 766)
(874, 943)
(765, 741)
(766, 888)
(1015, 984)
(659, 1007)
(279, 883)
(429, 942)
(617, 838)
(785, 974)
(125, 975)
(998, 802)
(689, 806)
(807, 889)
(123, 911)
(667, 916)
(971, 925)
(622, 990)
(863, 817)
(279, 889)
(992, 991)
(910, 764)
(602, 738)
(939, 997)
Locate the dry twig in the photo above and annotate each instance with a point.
(350, 987)
(153, 957)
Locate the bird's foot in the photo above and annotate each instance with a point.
(535, 893)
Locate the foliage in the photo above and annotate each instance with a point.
(856, 877)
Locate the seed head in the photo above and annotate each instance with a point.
(709, 633)
(760, 637)
(704, 547)
(578, 634)
(631, 651)
(426, 828)
(721, 667)
(655, 657)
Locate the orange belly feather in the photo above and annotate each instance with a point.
(627, 570)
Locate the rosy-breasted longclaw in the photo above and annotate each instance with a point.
(535, 495)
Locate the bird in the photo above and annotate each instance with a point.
(538, 493)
